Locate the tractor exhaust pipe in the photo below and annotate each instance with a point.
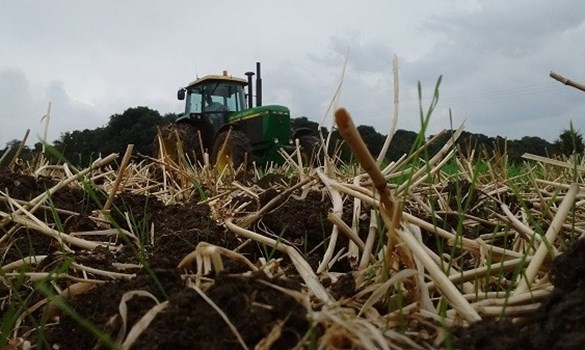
(258, 86)
(250, 90)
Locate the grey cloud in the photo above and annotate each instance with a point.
(494, 56)
(68, 114)
(22, 106)
(514, 28)
(19, 110)
(496, 61)
(364, 57)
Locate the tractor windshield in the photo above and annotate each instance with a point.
(215, 96)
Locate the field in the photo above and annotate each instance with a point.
(448, 251)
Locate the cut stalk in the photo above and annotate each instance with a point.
(549, 239)
(388, 204)
(123, 166)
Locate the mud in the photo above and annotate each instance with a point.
(255, 308)
(559, 322)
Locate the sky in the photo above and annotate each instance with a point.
(94, 59)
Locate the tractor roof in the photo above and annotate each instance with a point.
(217, 78)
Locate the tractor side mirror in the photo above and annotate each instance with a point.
(181, 94)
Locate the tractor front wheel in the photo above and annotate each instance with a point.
(176, 140)
(309, 145)
(235, 151)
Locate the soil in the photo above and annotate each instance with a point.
(559, 322)
(259, 312)
(189, 321)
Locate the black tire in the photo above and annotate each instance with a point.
(173, 136)
(239, 149)
(309, 149)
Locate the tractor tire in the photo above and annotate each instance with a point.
(172, 137)
(309, 145)
(238, 149)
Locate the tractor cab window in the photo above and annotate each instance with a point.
(194, 101)
(214, 96)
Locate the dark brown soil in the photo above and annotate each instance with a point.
(559, 322)
(490, 334)
(188, 322)
(254, 308)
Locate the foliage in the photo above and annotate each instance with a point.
(402, 142)
(304, 122)
(373, 139)
(12, 147)
(569, 142)
(482, 145)
(135, 126)
(138, 125)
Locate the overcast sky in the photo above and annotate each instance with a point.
(93, 59)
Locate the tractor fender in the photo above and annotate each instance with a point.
(193, 118)
(300, 132)
(228, 126)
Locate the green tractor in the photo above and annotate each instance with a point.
(222, 122)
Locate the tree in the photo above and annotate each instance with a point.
(528, 144)
(138, 126)
(373, 139)
(569, 142)
(135, 126)
(304, 122)
(402, 142)
(81, 147)
(12, 147)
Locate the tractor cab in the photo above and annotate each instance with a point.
(213, 98)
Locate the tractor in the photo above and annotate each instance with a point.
(220, 119)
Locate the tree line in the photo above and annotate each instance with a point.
(138, 126)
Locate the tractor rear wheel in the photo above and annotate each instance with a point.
(176, 140)
(238, 149)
